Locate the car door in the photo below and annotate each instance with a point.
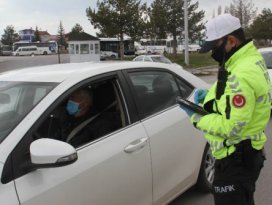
(8, 192)
(176, 147)
(113, 169)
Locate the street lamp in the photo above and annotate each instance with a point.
(59, 52)
(186, 33)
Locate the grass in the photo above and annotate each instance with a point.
(196, 60)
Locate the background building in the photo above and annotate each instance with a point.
(26, 35)
(83, 47)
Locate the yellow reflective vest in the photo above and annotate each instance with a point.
(243, 111)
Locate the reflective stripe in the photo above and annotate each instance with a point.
(236, 91)
(234, 86)
(241, 124)
(260, 99)
(232, 134)
(221, 145)
(232, 78)
(215, 144)
(237, 130)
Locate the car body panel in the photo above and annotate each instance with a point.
(8, 192)
(170, 147)
(104, 172)
(103, 169)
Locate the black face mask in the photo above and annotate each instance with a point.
(218, 54)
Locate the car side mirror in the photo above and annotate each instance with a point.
(4, 98)
(47, 153)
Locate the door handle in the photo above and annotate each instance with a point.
(136, 145)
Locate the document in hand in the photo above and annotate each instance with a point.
(192, 106)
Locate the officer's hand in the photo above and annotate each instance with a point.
(200, 95)
(188, 112)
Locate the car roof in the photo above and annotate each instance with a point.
(61, 72)
(267, 49)
(152, 55)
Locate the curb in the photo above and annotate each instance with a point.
(206, 70)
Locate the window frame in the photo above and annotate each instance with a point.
(18, 164)
(139, 111)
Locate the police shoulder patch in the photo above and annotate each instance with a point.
(238, 101)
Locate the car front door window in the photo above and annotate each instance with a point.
(155, 90)
(85, 115)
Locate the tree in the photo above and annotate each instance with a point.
(219, 10)
(158, 21)
(116, 18)
(168, 16)
(245, 10)
(77, 29)
(261, 28)
(61, 36)
(37, 35)
(8, 38)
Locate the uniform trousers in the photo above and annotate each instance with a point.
(236, 175)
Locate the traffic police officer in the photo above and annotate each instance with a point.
(239, 110)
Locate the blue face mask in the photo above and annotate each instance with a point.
(72, 107)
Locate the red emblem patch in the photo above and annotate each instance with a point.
(239, 101)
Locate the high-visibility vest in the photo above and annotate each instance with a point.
(243, 111)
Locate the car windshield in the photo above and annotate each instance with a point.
(16, 100)
(268, 59)
(160, 59)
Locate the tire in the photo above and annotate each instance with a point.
(113, 57)
(206, 173)
(44, 53)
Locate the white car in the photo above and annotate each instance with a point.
(140, 51)
(108, 55)
(150, 156)
(26, 51)
(191, 48)
(267, 55)
(152, 58)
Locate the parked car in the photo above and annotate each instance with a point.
(26, 51)
(108, 55)
(267, 55)
(5, 50)
(191, 48)
(150, 156)
(140, 51)
(152, 58)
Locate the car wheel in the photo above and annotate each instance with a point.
(113, 56)
(44, 53)
(206, 173)
(17, 54)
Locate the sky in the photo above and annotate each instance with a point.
(47, 14)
